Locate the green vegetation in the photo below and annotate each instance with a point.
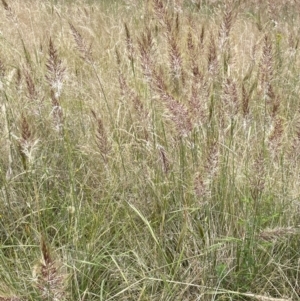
(149, 150)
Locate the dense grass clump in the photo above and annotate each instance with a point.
(149, 150)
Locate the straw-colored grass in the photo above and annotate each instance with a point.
(149, 150)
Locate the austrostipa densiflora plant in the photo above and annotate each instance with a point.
(182, 183)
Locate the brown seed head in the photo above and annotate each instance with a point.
(86, 52)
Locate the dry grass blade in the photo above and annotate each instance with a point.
(245, 102)
(18, 79)
(118, 57)
(201, 37)
(264, 298)
(11, 298)
(252, 296)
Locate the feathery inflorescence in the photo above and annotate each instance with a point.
(161, 164)
(50, 279)
(86, 52)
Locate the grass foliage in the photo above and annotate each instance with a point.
(149, 150)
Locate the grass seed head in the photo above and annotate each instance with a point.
(50, 279)
(55, 75)
(101, 137)
(86, 51)
(32, 94)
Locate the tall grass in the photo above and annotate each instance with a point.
(149, 150)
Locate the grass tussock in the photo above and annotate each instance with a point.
(149, 150)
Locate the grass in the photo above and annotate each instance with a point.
(149, 150)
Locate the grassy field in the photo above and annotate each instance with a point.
(150, 150)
